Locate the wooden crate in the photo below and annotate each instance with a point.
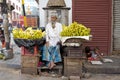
(29, 70)
(29, 61)
(29, 64)
(72, 51)
(72, 66)
(25, 51)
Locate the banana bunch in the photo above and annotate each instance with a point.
(29, 33)
(17, 32)
(2, 56)
(75, 29)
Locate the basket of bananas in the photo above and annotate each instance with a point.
(75, 33)
(28, 37)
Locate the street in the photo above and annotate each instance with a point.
(104, 77)
(10, 72)
(97, 18)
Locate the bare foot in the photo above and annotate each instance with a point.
(49, 64)
(52, 65)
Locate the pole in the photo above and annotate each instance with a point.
(24, 14)
(9, 51)
(5, 24)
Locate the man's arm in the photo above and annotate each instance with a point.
(47, 36)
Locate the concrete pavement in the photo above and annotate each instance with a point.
(103, 77)
(10, 70)
(11, 74)
(15, 62)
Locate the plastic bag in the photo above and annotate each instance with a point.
(29, 43)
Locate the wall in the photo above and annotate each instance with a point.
(43, 3)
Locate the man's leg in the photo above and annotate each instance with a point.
(56, 57)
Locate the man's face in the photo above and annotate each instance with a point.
(53, 18)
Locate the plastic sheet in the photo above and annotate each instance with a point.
(29, 43)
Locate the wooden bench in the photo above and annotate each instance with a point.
(57, 67)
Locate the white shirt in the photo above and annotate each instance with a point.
(53, 34)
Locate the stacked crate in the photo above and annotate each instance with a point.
(74, 51)
(72, 66)
(29, 61)
(25, 51)
(73, 58)
(29, 64)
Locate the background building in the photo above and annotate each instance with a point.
(43, 3)
(17, 12)
(31, 8)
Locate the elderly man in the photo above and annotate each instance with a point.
(51, 50)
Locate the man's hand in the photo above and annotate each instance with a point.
(59, 43)
(47, 44)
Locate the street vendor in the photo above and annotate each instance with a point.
(51, 50)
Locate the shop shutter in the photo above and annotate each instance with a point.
(95, 14)
(116, 24)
